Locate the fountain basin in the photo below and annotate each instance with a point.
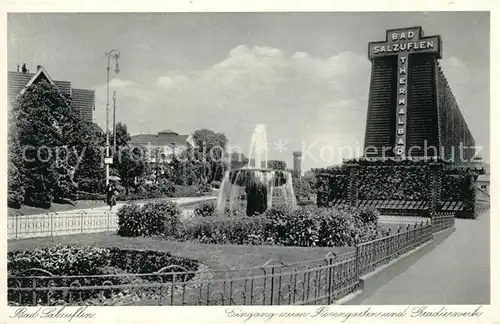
(259, 188)
(248, 176)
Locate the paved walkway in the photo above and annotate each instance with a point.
(181, 201)
(457, 271)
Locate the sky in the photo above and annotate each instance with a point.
(304, 75)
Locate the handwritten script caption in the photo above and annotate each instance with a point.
(61, 312)
(369, 312)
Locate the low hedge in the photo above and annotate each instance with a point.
(205, 209)
(305, 226)
(151, 219)
(224, 230)
(392, 180)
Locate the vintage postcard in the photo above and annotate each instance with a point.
(261, 164)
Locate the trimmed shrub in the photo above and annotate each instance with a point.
(345, 226)
(130, 221)
(294, 228)
(159, 218)
(311, 226)
(459, 185)
(205, 210)
(368, 215)
(305, 226)
(302, 189)
(224, 230)
(403, 180)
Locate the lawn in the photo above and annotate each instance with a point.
(80, 204)
(217, 257)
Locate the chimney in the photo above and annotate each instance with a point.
(24, 69)
(38, 67)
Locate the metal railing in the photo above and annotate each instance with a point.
(373, 254)
(321, 281)
(53, 224)
(442, 220)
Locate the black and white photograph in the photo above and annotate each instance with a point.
(248, 159)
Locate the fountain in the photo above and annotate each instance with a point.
(256, 186)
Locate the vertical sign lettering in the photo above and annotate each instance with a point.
(401, 104)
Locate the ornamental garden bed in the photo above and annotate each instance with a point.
(306, 226)
(77, 275)
(215, 261)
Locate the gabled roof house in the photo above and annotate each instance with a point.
(82, 100)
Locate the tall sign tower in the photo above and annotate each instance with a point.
(401, 92)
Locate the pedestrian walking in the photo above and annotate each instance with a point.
(111, 195)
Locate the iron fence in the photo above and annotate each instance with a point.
(373, 254)
(321, 281)
(274, 283)
(442, 220)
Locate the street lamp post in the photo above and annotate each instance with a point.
(113, 54)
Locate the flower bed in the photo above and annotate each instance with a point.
(99, 268)
(305, 226)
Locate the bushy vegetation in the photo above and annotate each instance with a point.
(65, 156)
(41, 118)
(205, 210)
(390, 180)
(304, 226)
(223, 230)
(394, 183)
(61, 260)
(151, 219)
(458, 185)
(302, 189)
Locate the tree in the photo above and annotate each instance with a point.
(122, 136)
(237, 160)
(208, 141)
(302, 189)
(210, 153)
(310, 177)
(130, 164)
(15, 189)
(276, 164)
(91, 174)
(45, 126)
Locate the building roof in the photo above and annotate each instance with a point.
(161, 138)
(82, 100)
(168, 131)
(19, 82)
(16, 83)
